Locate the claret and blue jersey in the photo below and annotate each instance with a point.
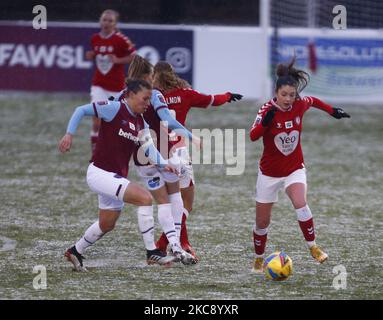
(119, 136)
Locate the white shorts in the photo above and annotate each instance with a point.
(99, 94)
(268, 187)
(154, 177)
(109, 186)
(187, 173)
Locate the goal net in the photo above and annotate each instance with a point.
(340, 46)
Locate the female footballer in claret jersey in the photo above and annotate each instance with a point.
(279, 123)
(111, 50)
(180, 98)
(122, 131)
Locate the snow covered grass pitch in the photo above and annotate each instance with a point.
(46, 205)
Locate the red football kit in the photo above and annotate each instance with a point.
(182, 100)
(108, 75)
(282, 153)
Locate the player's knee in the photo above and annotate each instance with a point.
(145, 199)
(189, 208)
(299, 204)
(188, 204)
(107, 226)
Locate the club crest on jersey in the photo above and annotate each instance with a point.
(297, 120)
(132, 126)
(103, 63)
(161, 98)
(288, 124)
(257, 120)
(279, 126)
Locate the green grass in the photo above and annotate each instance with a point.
(46, 205)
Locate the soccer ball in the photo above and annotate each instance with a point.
(278, 266)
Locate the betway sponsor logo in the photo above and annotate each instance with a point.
(48, 56)
(128, 135)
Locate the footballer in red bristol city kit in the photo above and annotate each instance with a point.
(180, 98)
(279, 123)
(164, 186)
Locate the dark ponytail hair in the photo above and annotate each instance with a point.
(136, 85)
(288, 75)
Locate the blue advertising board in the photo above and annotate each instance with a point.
(345, 67)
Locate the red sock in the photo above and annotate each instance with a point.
(259, 243)
(307, 228)
(184, 232)
(162, 242)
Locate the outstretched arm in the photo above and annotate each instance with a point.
(93, 109)
(177, 127)
(337, 113)
(162, 110)
(200, 100)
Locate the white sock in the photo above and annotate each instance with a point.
(91, 235)
(146, 226)
(177, 211)
(258, 231)
(304, 214)
(165, 219)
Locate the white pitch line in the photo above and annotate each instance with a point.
(9, 244)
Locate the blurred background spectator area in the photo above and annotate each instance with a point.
(360, 14)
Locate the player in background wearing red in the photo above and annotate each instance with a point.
(279, 122)
(180, 98)
(111, 50)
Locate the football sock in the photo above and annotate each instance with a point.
(162, 242)
(165, 219)
(184, 239)
(177, 210)
(92, 234)
(306, 223)
(260, 238)
(146, 226)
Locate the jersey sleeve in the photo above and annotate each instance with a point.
(127, 45)
(157, 100)
(257, 130)
(173, 124)
(200, 100)
(317, 103)
(105, 110)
